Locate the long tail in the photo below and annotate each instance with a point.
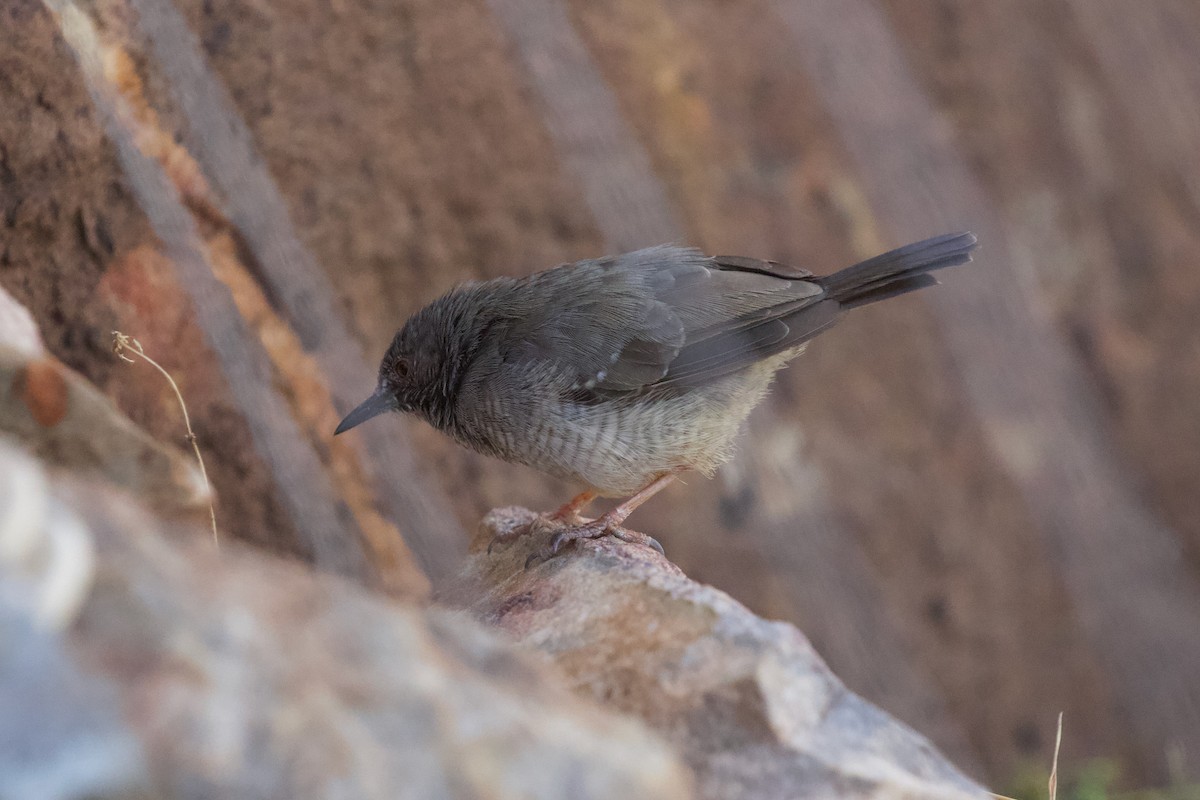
(898, 271)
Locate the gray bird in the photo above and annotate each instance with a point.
(619, 373)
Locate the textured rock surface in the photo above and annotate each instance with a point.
(64, 419)
(751, 705)
(61, 733)
(191, 674)
(88, 248)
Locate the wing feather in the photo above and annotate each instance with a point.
(665, 316)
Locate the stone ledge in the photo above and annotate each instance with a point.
(241, 675)
(751, 706)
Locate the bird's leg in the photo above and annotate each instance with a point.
(615, 517)
(568, 513)
(609, 524)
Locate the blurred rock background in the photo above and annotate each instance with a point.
(981, 504)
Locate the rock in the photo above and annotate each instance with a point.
(239, 675)
(107, 222)
(17, 328)
(61, 733)
(64, 419)
(748, 702)
(46, 554)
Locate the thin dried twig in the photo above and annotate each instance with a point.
(124, 344)
(1053, 783)
(1054, 763)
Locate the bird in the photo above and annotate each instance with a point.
(620, 373)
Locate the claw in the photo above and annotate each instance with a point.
(592, 530)
(558, 540)
(539, 523)
(507, 537)
(638, 538)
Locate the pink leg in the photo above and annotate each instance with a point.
(570, 510)
(568, 513)
(619, 514)
(610, 523)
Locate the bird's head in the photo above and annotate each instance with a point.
(416, 375)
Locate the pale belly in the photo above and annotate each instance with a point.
(618, 447)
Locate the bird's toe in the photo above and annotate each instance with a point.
(591, 530)
(542, 523)
(633, 537)
(564, 537)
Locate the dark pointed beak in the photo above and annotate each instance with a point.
(373, 406)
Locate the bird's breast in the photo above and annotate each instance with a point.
(617, 445)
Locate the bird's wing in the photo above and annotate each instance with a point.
(600, 324)
(662, 316)
(797, 306)
(744, 311)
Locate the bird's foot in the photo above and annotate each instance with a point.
(567, 515)
(540, 524)
(590, 530)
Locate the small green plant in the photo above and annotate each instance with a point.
(1093, 780)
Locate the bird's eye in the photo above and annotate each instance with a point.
(400, 368)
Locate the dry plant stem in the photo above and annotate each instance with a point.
(122, 344)
(1053, 785)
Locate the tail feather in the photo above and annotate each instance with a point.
(898, 271)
